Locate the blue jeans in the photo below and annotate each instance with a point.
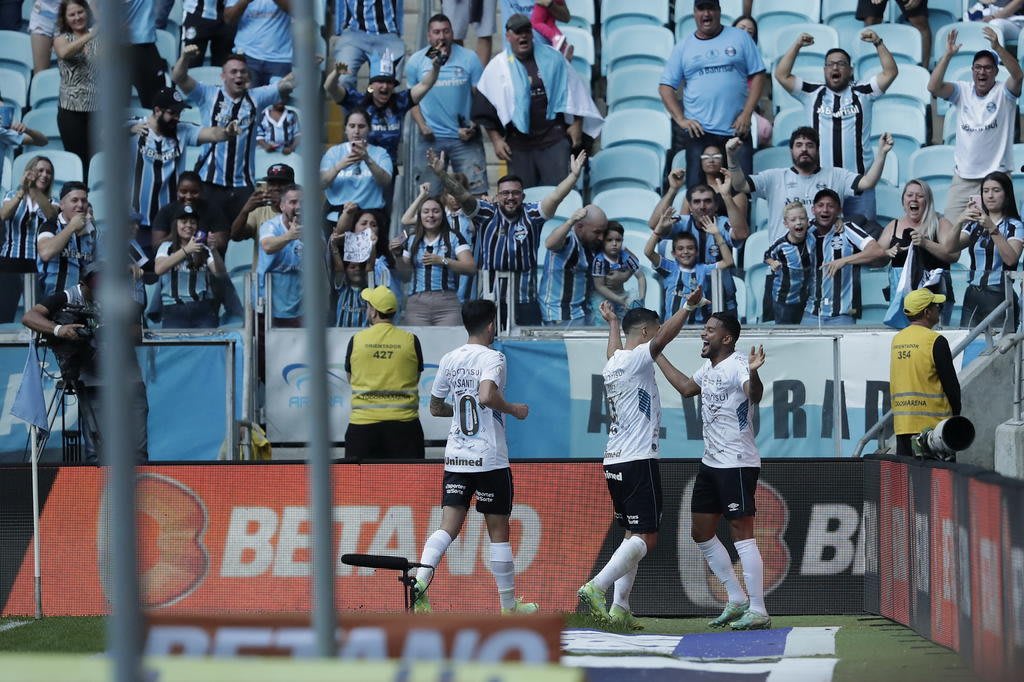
(837, 321)
(354, 47)
(463, 157)
(788, 313)
(262, 71)
(863, 205)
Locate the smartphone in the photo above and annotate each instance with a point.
(975, 201)
(261, 186)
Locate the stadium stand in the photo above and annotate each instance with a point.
(636, 45)
(626, 166)
(16, 53)
(44, 90)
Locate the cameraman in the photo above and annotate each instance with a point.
(69, 322)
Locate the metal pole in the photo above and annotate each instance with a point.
(34, 435)
(229, 376)
(314, 300)
(837, 399)
(116, 448)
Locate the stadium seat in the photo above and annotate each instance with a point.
(741, 297)
(873, 314)
(934, 165)
(782, 100)
(66, 166)
(841, 15)
(906, 123)
(619, 14)
(168, 46)
(639, 126)
(754, 280)
(941, 13)
(753, 249)
(949, 127)
(775, 17)
(14, 89)
(872, 282)
(96, 178)
(581, 13)
(825, 39)
(628, 203)
(583, 55)
(785, 123)
(910, 86)
(44, 91)
(626, 166)
(891, 170)
(1018, 179)
(45, 121)
(265, 160)
(888, 203)
(572, 202)
(238, 258)
(636, 45)
(758, 213)
(772, 157)
(634, 241)
(634, 87)
(16, 53)
(969, 34)
(902, 40)
(209, 75)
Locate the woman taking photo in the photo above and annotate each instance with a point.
(433, 258)
(185, 266)
(994, 235)
(75, 46)
(355, 171)
(22, 212)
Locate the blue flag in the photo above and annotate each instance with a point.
(29, 405)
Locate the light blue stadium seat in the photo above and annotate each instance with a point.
(14, 89)
(628, 203)
(570, 204)
(782, 100)
(96, 177)
(582, 13)
(634, 87)
(238, 258)
(45, 121)
(888, 202)
(841, 15)
(934, 165)
(741, 297)
(626, 166)
(168, 46)
(44, 91)
(825, 39)
(638, 126)
(906, 123)
(66, 166)
(910, 86)
(758, 214)
(265, 160)
(772, 157)
(941, 13)
(634, 239)
(949, 127)
(902, 40)
(619, 14)
(891, 170)
(969, 35)
(785, 123)
(775, 17)
(16, 53)
(583, 55)
(636, 45)
(754, 279)
(209, 75)
(872, 282)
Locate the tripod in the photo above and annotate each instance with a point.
(72, 441)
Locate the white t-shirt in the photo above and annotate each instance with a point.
(984, 130)
(725, 409)
(635, 406)
(780, 186)
(476, 440)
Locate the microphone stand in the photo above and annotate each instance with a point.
(401, 564)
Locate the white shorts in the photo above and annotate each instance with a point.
(43, 19)
(458, 12)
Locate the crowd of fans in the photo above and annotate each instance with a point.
(462, 239)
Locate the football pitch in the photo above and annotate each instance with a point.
(865, 647)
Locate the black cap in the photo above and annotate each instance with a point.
(517, 23)
(185, 211)
(827, 192)
(280, 172)
(171, 100)
(705, 3)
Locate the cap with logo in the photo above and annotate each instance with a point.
(280, 172)
(185, 211)
(919, 299)
(382, 67)
(518, 22)
(170, 99)
(381, 298)
(991, 54)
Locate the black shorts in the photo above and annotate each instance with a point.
(385, 440)
(635, 488)
(493, 490)
(866, 9)
(729, 492)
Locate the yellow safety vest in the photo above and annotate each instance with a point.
(385, 374)
(918, 401)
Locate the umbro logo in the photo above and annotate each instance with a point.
(733, 506)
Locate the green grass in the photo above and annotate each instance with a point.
(869, 649)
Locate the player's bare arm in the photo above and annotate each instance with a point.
(754, 388)
(614, 334)
(686, 386)
(492, 398)
(439, 408)
(674, 324)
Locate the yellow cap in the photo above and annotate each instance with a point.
(381, 298)
(919, 299)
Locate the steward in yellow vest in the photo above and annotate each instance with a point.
(384, 365)
(922, 378)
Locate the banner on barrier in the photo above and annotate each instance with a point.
(237, 539)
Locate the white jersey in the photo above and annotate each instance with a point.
(984, 130)
(725, 410)
(476, 440)
(635, 406)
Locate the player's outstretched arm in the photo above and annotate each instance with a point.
(674, 324)
(754, 388)
(492, 398)
(614, 334)
(439, 408)
(686, 386)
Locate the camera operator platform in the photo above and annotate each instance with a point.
(69, 322)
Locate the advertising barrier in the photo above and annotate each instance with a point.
(561, 381)
(946, 557)
(235, 539)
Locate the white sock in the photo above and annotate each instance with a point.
(624, 560)
(753, 573)
(504, 573)
(623, 586)
(717, 557)
(433, 550)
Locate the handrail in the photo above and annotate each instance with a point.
(1005, 308)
